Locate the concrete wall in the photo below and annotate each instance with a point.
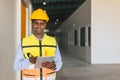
(7, 39)
(80, 18)
(10, 35)
(105, 31)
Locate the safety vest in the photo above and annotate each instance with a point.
(38, 48)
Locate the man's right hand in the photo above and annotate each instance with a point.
(33, 60)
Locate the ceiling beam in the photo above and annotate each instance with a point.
(54, 1)
(55, 7)
(60, 12)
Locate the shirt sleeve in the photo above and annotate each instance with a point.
(58, 59)
(20, 62)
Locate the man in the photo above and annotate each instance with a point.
(37, 45)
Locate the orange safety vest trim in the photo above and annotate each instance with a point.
(35, 74)
(36, 48)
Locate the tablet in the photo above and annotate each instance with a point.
(42, 59)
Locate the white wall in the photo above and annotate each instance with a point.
(80, 18)
(18, 26)
(10, 35)
(105, 31)
(18, 31)
(7, 39)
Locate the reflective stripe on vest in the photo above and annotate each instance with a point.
(32, 45)
(36, 48)
(35, 74)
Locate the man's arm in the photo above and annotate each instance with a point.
(20, 62)
(58, 59)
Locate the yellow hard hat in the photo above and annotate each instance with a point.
(39, 14)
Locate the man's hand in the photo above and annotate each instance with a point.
(33, 60)
(50, 65)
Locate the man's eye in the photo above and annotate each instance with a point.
(35, 23)
(41, 23)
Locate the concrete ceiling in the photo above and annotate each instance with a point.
(58, 10)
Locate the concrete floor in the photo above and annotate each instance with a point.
(75, 69)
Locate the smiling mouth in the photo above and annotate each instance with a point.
(38, 29)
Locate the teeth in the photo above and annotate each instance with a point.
(38, 29)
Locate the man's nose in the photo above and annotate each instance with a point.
(39, 25)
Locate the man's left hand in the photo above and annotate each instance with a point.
(50, 65)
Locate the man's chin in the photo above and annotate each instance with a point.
(39, 33)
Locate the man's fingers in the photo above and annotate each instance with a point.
(49, 65)
(33, 59)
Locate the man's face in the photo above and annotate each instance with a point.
(38, 26)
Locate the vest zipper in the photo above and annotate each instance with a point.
(40, 56)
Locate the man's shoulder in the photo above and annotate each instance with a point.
(49, 37)
(27, 37)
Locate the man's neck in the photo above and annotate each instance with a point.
(39, 36)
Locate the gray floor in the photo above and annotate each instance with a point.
(75, 69)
